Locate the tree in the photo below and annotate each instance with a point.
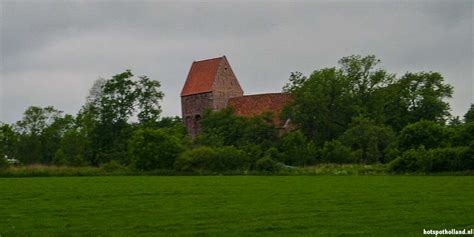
(152, 149)
(469, 116)
(335, 152)
(297, 150)
(40, 131)
(111, 103)
(464, 134)
(36, 119)
(72, 150)
(118, 98)
(320, 104)
(371, 139)
(223, 128)
(8, 141)
(324, 103)
(415, 97)
(427, 133)
(149, 97)
(366, 84)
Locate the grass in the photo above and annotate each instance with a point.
(235, 205)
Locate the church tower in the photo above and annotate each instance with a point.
(209, 85)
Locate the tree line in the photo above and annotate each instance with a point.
(356, 112)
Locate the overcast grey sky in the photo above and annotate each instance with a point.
(51, 52)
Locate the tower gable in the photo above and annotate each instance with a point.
(225, 85)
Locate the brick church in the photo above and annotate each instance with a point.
(211, 83)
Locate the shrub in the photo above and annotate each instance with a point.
(434, 160)
(266, 164)
(369, 138)
(390, 153)
(412, 160)
(154, 149)
(426, 133)
(113, 166)
(60, 158)
(230, 158)
(3, 162)
(212, 159)
(335, 152)
(467, 158)
(465, 134)
(446, 159)
(297, 149)
(195, 159)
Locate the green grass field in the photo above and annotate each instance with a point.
(235, 205)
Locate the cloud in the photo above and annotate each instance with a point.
(52, 52)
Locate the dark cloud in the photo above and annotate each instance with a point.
(51, 52)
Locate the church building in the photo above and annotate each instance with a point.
(211, 84)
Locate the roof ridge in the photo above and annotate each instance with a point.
(271, 93)
(203, 60)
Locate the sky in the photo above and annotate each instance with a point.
(52, 51)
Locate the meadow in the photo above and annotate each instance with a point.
(235, 205)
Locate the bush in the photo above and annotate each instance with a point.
(426, 133)
(435, 160)
(113, 166)
(230, 158)
(446, 159)
(465, 134)
(410, 161)
(335, 152)
(3, 162)
(266, 164)
(467, 158)
(60, 158)
(297, 150)
(368, 139)
(195, 159)
(212, 159)
(154, 149)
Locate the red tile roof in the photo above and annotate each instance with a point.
(201, 76)
(251, 105)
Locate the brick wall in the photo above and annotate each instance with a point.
(192, 108)
(225, 86)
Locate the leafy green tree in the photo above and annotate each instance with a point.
(464, 134)
(220, 159)
(415, 97)
(8, 141)
(111, 103)
(73, 149)
(371, 139)
(36, 119)
(266, 164)
(366, 85)
(335, 152)
(223, 128)
(469, 116)
(40, 131)
(324, 103)
(149, 97)
(320, 104)
(152, 149)
(297, 149)
(197, 159)
(427, 133)
(411, 160)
